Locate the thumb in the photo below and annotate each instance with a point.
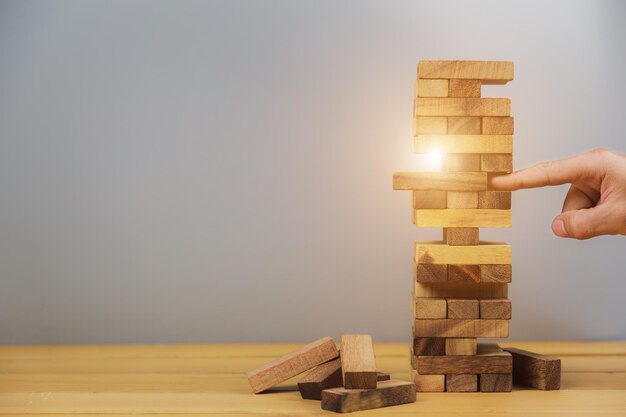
(584, 223)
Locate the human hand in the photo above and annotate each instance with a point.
(596, 201)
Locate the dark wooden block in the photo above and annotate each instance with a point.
(495, 382)
(496, 273)
(461, 383)
(535, 370)
(388, 393)
(327, 375)
(460, 236)
(431, 272)
(464, 273)
(495, 309)
(358, 364)
(381, 376)
(429, 346)
(490, 359)
(463, 309)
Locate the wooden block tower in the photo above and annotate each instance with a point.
(460, 283)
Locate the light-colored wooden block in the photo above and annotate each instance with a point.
(461, 328)
(462, 218)
(460, 236)
(429, 346)
(388, 393)
(496, 273)
(428, 383)
(463, 88)
(358, 364)
(482, 144)
(438, 181)
(432, 88)
(499, 309)
(430, 308)
(461, 383)
(487, 253)
(495, 382)
(494, 200)
(498, 125)
(460, 290)
(292, 364)
(462, 309)
(535, 370)
(489, 72)
(463, 273)
(462, 199)
(429, 199)
(490, 361)
(455, 162)
(430, 125)
(464, 125)
(451, 106)
(324, 376)
(496, 163)
(431, 273)
(460, 346)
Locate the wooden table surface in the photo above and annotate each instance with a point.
(181, 380)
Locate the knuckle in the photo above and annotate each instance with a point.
(579, 229)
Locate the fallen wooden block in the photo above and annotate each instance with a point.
(429, 346)
(495, 382)
(495, 309)
(388, 393)
(440, 181)
(461, 162)
(535, 370)
(326, 375)
(487, 253)
(450, 106)
(462, 309)
(461, 346)
(449, 289)
(464, 273)
(461, 383)
(489, 72)
(431, 272)
(464, 88)
(292, 364)
(358, 364)
(461, 328)
(496, 273)
(430, 308)
(496, 163)
(489, 359)
(460, 236)
(463, 144)
(428, 383)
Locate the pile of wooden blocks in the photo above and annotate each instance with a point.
(343, 382)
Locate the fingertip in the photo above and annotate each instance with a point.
(558, 228)
(499, 182)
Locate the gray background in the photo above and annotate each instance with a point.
(221, 171)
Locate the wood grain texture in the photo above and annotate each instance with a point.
(460, 236)
(497, 72)
(440, 181)
(495, 382)
(440, 106)
(463, 218)
(292, 364)
(487, 253)
(464, 125)
(461, 144)
(461, 328)
(490, 359)
(498, 126)
(430, 308)
(358, 364)
(462, 308)
(430, 199)
(461, 383)
(495, 309)
(463, 290)
(432, 88)
(464, 273)
(428, 383)
(496, 273)
(429, 346)
(460, 162)
(461, 346)
(464, 88)
(431, 272)
(430, 125)
(462, 199)
(388, 393)
(500, 200)
(534, 370)
(326, 375)
(496, 163)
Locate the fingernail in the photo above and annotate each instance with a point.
(559, 228)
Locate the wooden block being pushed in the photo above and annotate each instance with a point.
(495, 382)
(358, 364)
(431, 308)
(327, 375)
(428, 383)
(495, 309)
(292, 364)
(461, 346)
(388, 393)
(496, 72)
(488, 253)
(463, 328)
(452, 106)
(461, 383)
(460, 236)
(535, 370)
(488, 360)
(440, 181)
(462, 309)
(462, 218)
(461, 144)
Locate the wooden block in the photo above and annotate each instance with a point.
(429, 199)
(496, 273)
(487, 253)
(462, 199)
(430, 125)
(430, 308)
(429, 346)
(440, 181)
(292, 364)
(486, 361)
(474, 144)
(463, 290)
(494, 200)
(495, 382)
(462, 309)
(463, 88)
(432, 88)
(381, 376)
(452, 106)
(428, 383)
(455, 162)
(497, 72)
(497, 126)
(462, 218)
(535, 370)
(495, 309)
(460, 236)
(326, 375)
(461, 346)
(388, 393)
(358, 364)
(461, 383)
(496, 163)
(431, 273)
(464, 125)
(461, 328)
(464, 273)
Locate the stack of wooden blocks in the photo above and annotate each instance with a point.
(460, 283)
